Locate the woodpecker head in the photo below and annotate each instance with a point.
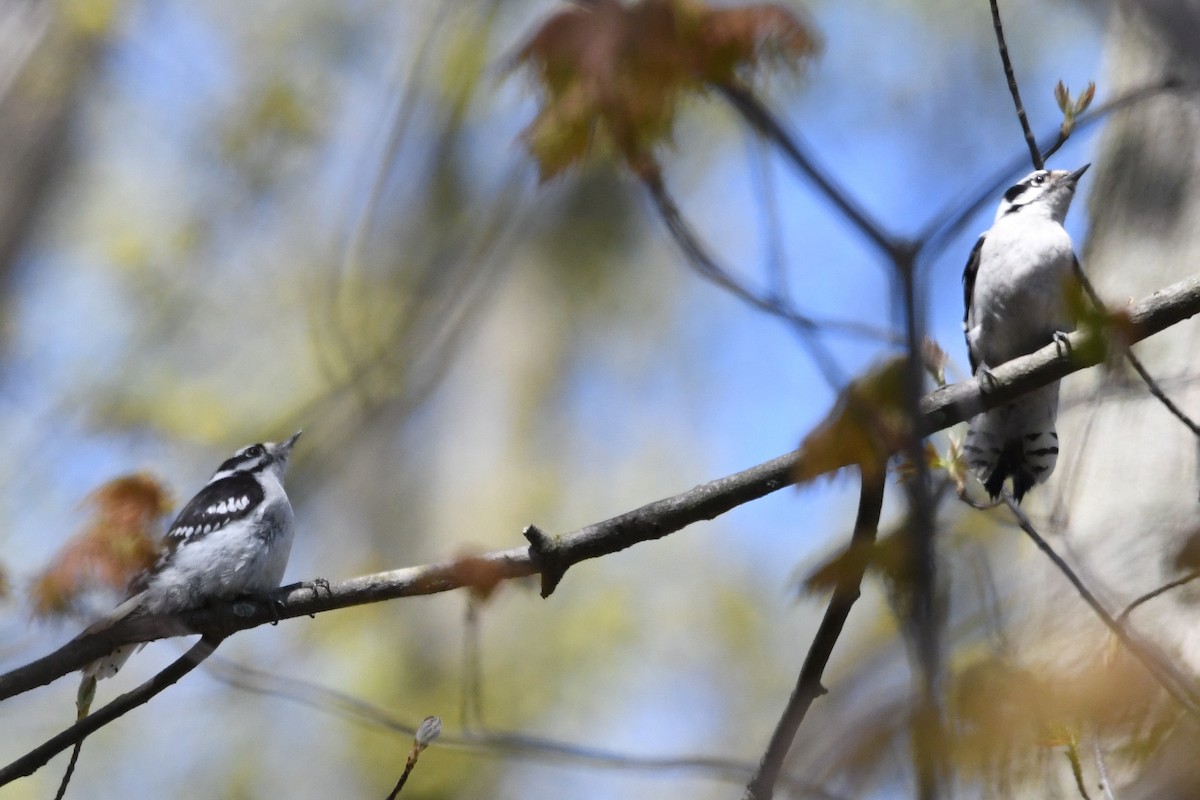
(1044, 192)
(258, 457)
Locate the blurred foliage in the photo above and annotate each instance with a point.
(620, 71)
(867, 425)
(120, 539)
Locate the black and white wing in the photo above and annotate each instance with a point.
(221, 502)
(968, 280)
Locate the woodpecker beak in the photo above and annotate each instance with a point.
(284, 449)
(1073, 178)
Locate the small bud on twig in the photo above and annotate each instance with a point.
(429, 729)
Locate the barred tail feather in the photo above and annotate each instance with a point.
(1015, 441)
(109, 665)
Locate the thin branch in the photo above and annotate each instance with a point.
(471, 712)
(756, 113)
(939, 410)
(1077, 770)
(1161, 590)
(1134, 361)
(947, 223)
(763, 175)
(707, 267)
(1176, 685)
(499, 743)
(1102, 768)
(808, 684)
(36, 758)
(1034, 152)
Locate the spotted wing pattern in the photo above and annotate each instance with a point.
(216, 505)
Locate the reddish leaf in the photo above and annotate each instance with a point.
(478, 574)
(119, 540)
(866, 426)
(618, 72)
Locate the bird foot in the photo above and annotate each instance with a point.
(244, 605)
(316, 586)
(1062, 343)
(987, 381)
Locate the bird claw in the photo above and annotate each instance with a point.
(987, 380)
(1062, 343)
(316, 585)
(242, 603)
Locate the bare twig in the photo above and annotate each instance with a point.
(1035, 153)
(760, 117)
(947, 223)
(1134, 361)
(942, 408)
(500, 743)
(36, 758)
(1176, 685)
(471, 712)
(1077, 770)
(706, 265)
(429, 729)
(808, 684)
(1161, 590)
(768, 193)
(1102, 768)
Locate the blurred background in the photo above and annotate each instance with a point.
(221, 222)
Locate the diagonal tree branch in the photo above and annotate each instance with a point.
(1179, 686)
(939, 410)
(1035, 152)
(808, 684)
(755, 112)
(36, 758)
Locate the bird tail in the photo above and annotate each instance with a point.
(110, 664)
(1015, 441)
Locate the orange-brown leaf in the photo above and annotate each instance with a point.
(865, 427)
(119, 540)
(477, 574)
(618, 72)
(906, 470)
(730, 39)
(888, 557)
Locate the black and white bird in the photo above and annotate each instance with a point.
(232, 539)
(1014, 288)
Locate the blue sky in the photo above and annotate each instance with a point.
(906, 110)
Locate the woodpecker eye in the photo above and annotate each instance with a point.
(254, 451)
(1039, 180)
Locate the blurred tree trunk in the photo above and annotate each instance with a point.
(47, 51)
(1130, 497)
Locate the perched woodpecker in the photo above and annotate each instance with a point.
(1014, 289)
(232, 539)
